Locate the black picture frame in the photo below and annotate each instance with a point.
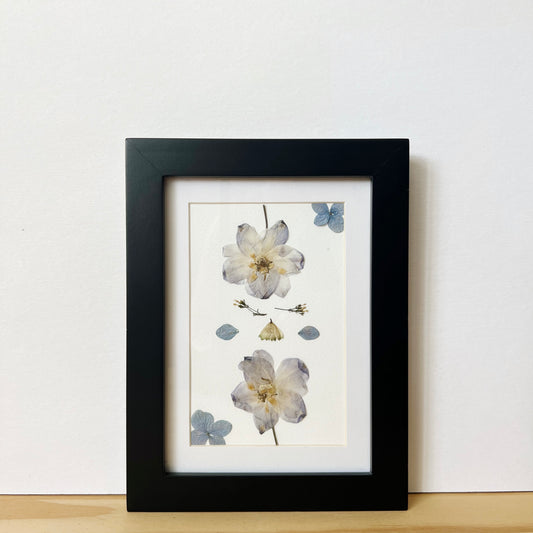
(149, 486)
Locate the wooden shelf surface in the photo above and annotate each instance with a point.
(428, 513)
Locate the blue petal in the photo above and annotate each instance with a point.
(215, 440)
(202, 421)
(337, 209)
(321, 209)
(321, 220)
(220, 428)
(336, 223)
(309, 333)
(198, 437)
(226, 332)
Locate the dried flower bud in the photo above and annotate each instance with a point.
(271, 332)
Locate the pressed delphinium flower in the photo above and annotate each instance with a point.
(206, 429)
(269, 395)
(271, 332)
(263, 261)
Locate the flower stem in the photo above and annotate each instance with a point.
(243, 305)
(275, 436)
(300, 309)
(266, 218)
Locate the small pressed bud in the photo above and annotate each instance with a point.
(271, 332)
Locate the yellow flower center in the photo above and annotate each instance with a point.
(261, 265)
(267, 392)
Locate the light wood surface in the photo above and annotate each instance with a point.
(428, 513)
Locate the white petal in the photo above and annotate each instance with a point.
(236, 269)
(230, 250)
(291, 407)
(292, 376)
(265, 355)
(248, 240)
(287, 260)
(265, 416)
(275, 235)
(283, 286)
(282, 250)
(243, 397)
(263, 285)
(257, 371)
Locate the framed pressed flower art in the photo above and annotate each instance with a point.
(267, 324)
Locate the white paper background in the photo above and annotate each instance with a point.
(329, 370)
(321, 285)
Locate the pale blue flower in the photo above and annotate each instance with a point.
(206, 429)
(333, 217)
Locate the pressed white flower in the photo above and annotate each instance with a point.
(263, 261)
(269, 395)
(271, 332)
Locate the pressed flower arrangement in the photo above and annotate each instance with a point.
(262, 263)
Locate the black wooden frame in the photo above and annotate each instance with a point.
(149, 486)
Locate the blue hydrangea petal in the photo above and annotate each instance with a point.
(321, 209)
(321, 220)
(202, 421)
(336, 223)
(221, 428)
(198, 437)
(337, 209)
(226, 332)
(215, 440)
(309, 333)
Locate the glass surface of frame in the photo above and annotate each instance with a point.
(230, 379)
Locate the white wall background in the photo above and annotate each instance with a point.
(78, 77)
